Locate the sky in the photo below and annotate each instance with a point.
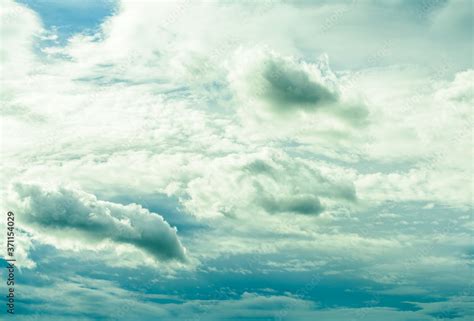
(239, 160)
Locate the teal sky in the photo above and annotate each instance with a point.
(239, 160)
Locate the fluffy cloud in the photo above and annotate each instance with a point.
(269, 182)
(460, 90)
(19, 28)
(78, 215)
(283, 85)
(284, 82)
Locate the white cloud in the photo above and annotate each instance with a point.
(76, 215)
(267, 83)
(18, 28)
(243, 185)
(461, 89)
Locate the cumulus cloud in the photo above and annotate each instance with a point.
(269, 182)
(287, 84)
(19, 27)
(283, 85)
(460, 90)
(79, 215)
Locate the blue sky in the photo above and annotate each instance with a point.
(279, 160)
(70, 17)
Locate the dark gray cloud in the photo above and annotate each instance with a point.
(289, 85)
(284, 85)
(300, 204)
(85, 216)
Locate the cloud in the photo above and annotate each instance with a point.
(460, 90)
(105, 299)
(418, 159)
(19, 28)
(161, 102)
(86, 298)
(79, 215)
(300, 204)
(266, 182)
(283, 85)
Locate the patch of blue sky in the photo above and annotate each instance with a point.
(69, 17)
